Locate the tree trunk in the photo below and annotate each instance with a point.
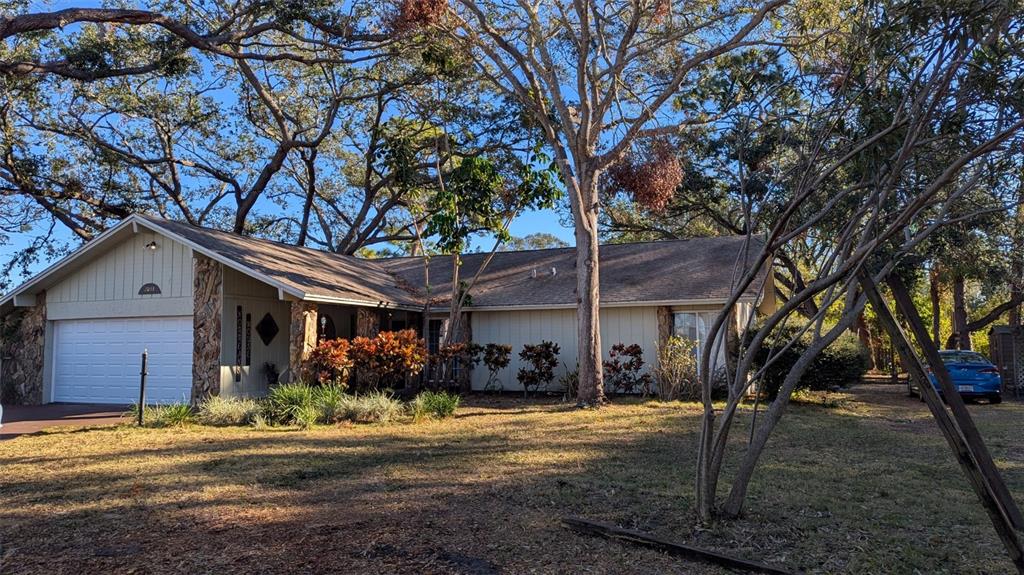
(309, 162)
(933, 293)
(588, 297)
(961, 333)
(864, 335)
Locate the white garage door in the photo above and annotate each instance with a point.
(98, 360)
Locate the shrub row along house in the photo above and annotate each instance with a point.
(223, 314)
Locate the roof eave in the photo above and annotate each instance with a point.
(384, 304)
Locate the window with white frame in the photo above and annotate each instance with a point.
(694, 325)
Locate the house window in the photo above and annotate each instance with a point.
(434, 330)
(694, 325)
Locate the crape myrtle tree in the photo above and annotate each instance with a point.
(599, 80)
(909, 111)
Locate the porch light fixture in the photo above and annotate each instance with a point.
(151, 246)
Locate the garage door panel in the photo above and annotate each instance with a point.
(97, 361)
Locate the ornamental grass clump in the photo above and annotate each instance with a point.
(221, 411)
(434, 405)
(329, 401)
(675, 372)
(289, 404)
(169, 415)
(373, 407)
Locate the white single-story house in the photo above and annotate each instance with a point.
(221, 313)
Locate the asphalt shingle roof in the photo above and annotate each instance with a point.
(663, 271)
(676, 270)
(313, 272)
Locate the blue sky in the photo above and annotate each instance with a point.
(531, 222)
(548, 221)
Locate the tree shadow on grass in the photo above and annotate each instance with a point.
(835, 494)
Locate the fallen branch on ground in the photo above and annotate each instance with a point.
(647, 540)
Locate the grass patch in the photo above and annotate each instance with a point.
(865, 487)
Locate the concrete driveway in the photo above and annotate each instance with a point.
(24, 419)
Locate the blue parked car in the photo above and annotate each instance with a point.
(973, 375)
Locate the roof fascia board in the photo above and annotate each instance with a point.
(345, 301)
(89, 246)
(281, 287)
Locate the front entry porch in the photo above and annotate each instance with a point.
(312, 323)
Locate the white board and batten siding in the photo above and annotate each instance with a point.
(109, 285)
(256, 299)
(99, 324)
(626, 325)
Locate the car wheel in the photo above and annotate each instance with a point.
(995, 398)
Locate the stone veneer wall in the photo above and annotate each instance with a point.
(208, 297)
(301, 336)
(22, 344)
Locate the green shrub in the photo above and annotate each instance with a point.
(328, 401)
(434, 404)
(623, 371)
(288, 403)
(170, 415)
(218, 410)
(373, 407)
(841, 364)
(542, 360)
(497, 356)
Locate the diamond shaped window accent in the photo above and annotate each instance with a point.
(267, 329)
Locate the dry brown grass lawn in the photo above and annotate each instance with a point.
(866, 487)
